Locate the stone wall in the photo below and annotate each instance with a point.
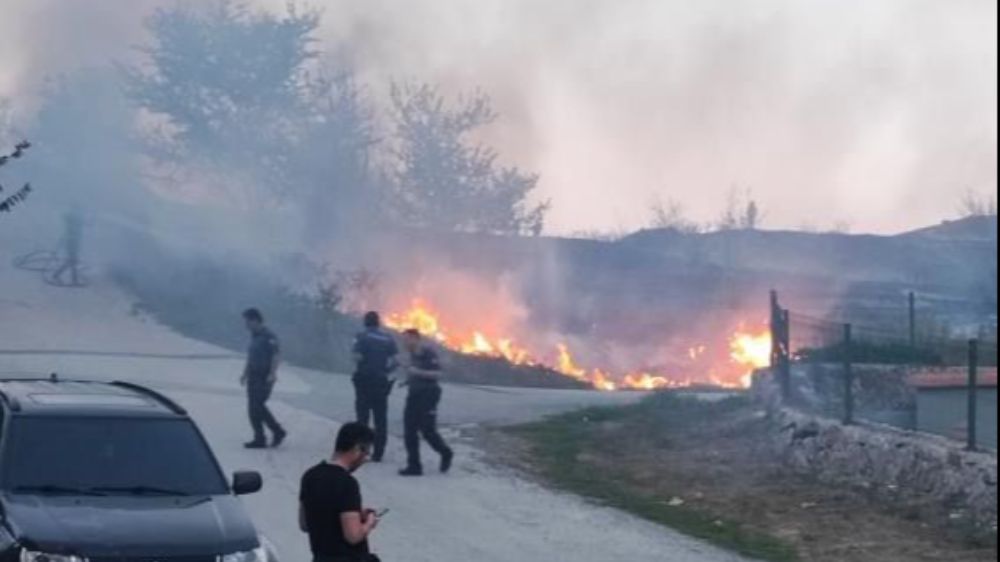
(919, 474)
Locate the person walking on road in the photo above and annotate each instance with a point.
(330, 506)
(375, 352)
(71, 241)
(259, 378)
(420, 415)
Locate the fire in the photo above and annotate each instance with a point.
(751, 350)
(646, 381)
(566, 364)
(747, 352)
(423, 318)
(420, 317)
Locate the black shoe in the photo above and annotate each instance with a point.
(446, 459)
(256, 444)
(279, 438)
(411, 472)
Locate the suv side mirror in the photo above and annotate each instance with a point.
(246, 482)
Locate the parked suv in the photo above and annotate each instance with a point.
(114, 472)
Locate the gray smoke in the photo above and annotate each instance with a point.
(877, 113)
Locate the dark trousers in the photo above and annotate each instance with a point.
(258, 393)
(72, 265)
(420, 419)
(371, 400)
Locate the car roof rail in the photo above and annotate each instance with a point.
(170, 404)
(13, 403)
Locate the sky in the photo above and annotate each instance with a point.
(877, 115)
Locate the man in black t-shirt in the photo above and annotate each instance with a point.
(420, 415)
(330, 507)
(375, 353)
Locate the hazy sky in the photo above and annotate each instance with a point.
(878, 113)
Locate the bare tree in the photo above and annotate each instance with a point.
(742, 212)
(730, 213)
(8, 202)
(245, 103)
(225, 81)
(751, 216)
(975, 204)
(444, 179)
(841, 227)
(670, 215)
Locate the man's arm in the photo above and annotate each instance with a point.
(393, 355)
(434, 374)
(358, 349)
(246, 373)
(272, 370)
(303, 524)
(357, 525)
(272, 375)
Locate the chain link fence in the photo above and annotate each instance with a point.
(914, 374)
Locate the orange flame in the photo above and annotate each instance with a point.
(419, 316)
(748, 351)
(752, 351)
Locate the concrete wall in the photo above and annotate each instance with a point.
(942, 411)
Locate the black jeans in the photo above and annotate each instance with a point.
(420, 419)
(258, 393)
(371, 400)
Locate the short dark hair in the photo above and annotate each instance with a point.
(352, 435)
(412, 332)
(372, 320)
(253, 314)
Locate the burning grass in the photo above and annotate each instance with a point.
(726, 367)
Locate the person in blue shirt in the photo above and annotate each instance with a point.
(375, 352)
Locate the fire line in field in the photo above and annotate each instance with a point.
(748, 350)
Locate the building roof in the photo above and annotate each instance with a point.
(954, 378)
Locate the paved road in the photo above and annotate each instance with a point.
(477, 513)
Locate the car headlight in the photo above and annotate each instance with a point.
(32, 556)
(258, 554)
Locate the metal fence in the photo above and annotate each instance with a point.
(856, 371)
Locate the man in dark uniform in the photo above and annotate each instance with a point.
(330, 506)
(259, 377)
(420, 416)
(375, 353)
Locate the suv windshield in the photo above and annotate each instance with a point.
(109, 456)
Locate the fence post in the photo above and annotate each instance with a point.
(848, 375)
(913, 320)
(786, 355)
(775, 330)
(973, 392)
